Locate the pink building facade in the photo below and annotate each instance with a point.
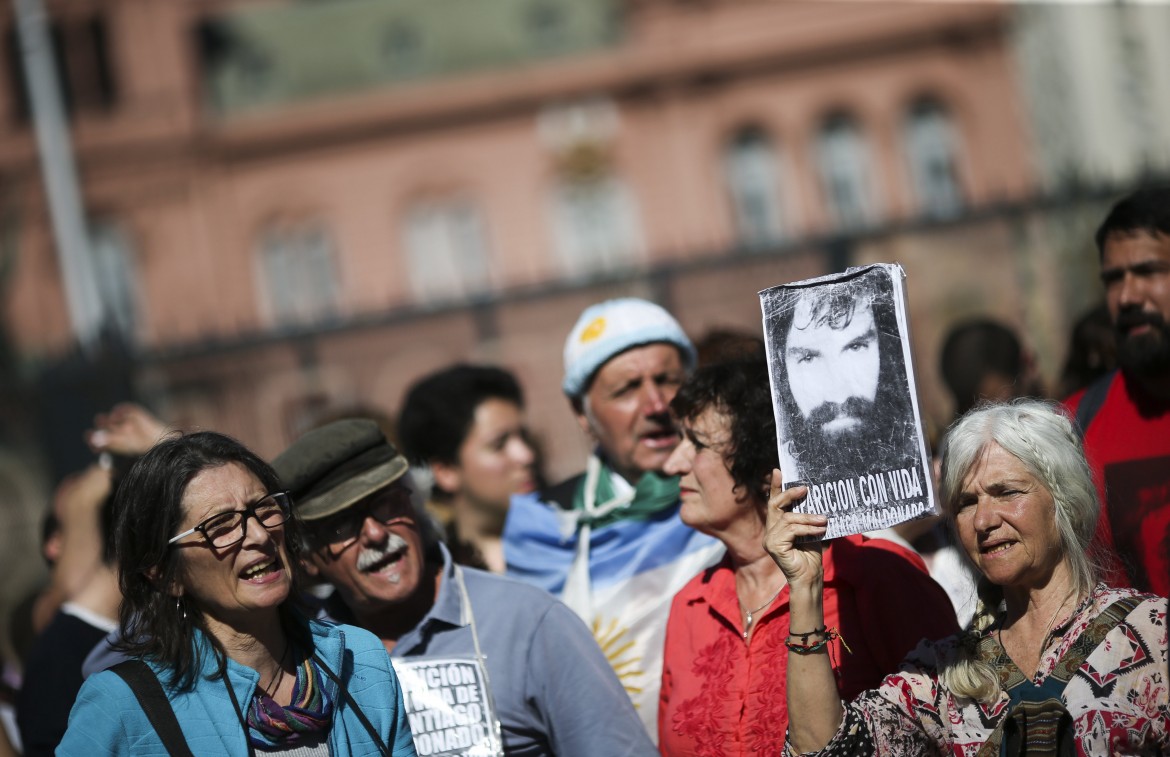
(275, 263)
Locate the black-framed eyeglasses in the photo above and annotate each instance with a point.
(341, 530)
(225, 529)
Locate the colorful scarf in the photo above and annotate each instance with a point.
(309, 716)
(653, 494)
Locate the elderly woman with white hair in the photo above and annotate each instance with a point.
(1056, 663)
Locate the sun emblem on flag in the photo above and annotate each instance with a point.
(594, 330)
(619, 650)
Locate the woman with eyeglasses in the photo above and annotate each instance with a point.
(207, 554)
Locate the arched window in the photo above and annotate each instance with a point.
(750, 168)
(299, 271)
(845, 172)
(592, 211)
(931, 149)
(114, 270)
(447, 250)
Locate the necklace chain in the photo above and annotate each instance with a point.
(747, 626)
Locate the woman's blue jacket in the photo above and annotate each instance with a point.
(107, 720)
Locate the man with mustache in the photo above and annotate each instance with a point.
(1125, 416)
(471, 649)
(842, 390)
(609, 541)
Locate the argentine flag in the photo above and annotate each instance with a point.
(617, 566)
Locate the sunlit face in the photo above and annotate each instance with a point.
(1135, 270)
(495, 459)
(228, 585)
(1006, 520)
(832, 372)
(710, 501)
(627, 408)
(377, 560)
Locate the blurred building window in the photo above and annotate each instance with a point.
(548, 28)
(594, 224)
(115, 271)
(751, 170)
(81, 51)
(299, 272)
(234, 65)
(255, 72)
(845, 172)
(402, 50)
(932, 149)
(447, 250)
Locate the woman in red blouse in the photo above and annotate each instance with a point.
(723, 680)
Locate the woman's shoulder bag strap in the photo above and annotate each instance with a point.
(1092, 401)
(349, 700)
(1037, 715)
(149, 692)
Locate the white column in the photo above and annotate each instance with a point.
(60, 175)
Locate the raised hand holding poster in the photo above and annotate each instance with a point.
(848, 423)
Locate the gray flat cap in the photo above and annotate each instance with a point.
(335, 466)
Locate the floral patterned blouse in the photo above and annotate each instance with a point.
(1118, 698)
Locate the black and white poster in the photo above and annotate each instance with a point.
(449, 706)
(848, 423)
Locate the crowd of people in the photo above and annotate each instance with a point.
(432, 594)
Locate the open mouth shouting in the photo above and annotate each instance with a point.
(383, 560)
(660, 438)
(263, 570)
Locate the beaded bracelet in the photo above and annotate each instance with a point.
(804, 636)
(805, 648)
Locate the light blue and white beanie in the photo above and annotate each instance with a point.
(612, 327)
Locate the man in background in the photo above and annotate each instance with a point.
(1125, 416)
(609, 541)
(52, 671)
(83, 598)
(982, 360)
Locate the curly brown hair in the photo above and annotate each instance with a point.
(740, 390)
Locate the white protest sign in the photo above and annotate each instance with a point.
(449, 707)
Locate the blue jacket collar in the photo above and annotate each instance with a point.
(328, 644)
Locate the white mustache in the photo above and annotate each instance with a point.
(371, 556)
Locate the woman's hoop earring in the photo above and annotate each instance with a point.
(179, 607)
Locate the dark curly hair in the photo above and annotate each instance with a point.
(147, 512)
(439, 409)
(972, 351)
(1146, 211)
(739, 389)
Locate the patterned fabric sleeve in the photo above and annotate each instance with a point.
(852, 738)
(1118, 698)
(905, 715)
